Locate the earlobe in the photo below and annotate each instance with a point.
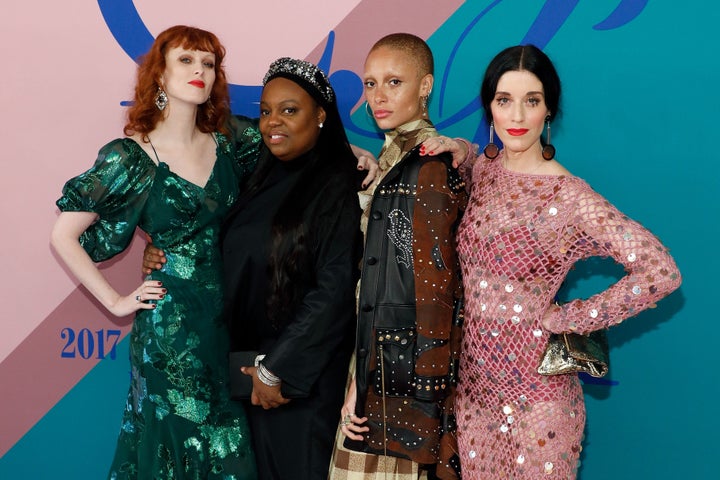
(427, 84)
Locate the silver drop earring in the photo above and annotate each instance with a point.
(161, 99)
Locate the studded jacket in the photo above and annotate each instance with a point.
(409, 316)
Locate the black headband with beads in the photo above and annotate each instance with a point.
(306, 74)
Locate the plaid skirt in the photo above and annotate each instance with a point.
(351, 465)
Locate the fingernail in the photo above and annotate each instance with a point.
(159, 284)
(153, 306)
(162, 296)
(164, 290)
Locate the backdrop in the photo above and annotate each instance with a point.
(640, 102)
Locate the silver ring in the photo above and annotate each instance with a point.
(137, 298)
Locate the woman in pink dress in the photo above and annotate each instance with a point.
(527, 222)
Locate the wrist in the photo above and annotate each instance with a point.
(467, 146)
(267, 377)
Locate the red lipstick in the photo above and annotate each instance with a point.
(516, 132)
(197, 83)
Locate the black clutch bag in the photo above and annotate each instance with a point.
(241, 385)
(573, 353)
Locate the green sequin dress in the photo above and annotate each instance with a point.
(179, 422)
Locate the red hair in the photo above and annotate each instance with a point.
(212, 115)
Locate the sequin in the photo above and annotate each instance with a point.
(636, 290)
(483, 284)
(526, 232)
(631, 257)
(175, 375)
(472, 454)
(507, 410)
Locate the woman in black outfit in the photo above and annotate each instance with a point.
(291, 247)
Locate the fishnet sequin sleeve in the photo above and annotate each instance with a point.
(597, 228)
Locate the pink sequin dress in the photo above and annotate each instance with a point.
(519, 237)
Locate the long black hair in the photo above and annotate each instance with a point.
(330, 163)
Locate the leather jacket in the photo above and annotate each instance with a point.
(409, 310)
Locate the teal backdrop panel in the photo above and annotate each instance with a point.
(76, 438)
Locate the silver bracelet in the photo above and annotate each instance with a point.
(267, 377)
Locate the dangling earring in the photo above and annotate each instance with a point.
(423, 104)
(548, 151)
(491, 150)
(161, 99)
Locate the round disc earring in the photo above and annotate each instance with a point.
(491, 150)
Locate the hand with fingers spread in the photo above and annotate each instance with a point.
(153, 259)
(149, 290)
(460, 148)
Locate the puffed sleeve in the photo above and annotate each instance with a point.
(247, 142)
(597, 228)
(116, 189)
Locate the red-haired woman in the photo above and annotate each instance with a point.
(174, 175)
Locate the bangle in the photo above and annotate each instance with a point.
(267, 377)
(258, 359)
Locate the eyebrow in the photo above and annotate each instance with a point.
(528, 93)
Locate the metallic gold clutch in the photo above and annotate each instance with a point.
(572, 353)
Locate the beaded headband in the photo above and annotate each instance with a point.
(311, 77)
